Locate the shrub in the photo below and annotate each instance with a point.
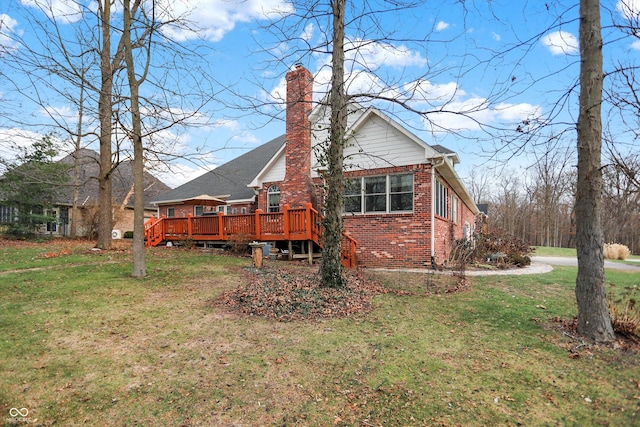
(495, 247)
(616, 251)
(239, 243)
(625, 312)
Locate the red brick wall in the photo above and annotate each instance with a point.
(295, 191)
(395, 240)
(404, 240)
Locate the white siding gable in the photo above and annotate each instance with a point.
(375, 141)
(276, 170)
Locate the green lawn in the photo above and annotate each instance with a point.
(83, 343)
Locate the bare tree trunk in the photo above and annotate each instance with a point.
(105, 205)
(139, 263)
(593, 313)
(331, 269)
(75, 211)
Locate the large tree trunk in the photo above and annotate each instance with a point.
(331, 269)
(139, 263)
(105, 205)
(593, 312)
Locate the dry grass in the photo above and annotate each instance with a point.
(616, 251)
(88, 345)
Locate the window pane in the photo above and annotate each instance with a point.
(352, 204)
(375, 185)
(401, 183)
(377, 203)
(402, 202)
(353, 187)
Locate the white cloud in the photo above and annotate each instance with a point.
(496, 36)
(14, 140)
(425, 92)
(635, 45)
(212, 19)
(308, 32)
(441, 26)
(473, 113)
(630, 9)
(560, 43)
(61, 10)
(372, 54)
(7, 30)
(177, 174)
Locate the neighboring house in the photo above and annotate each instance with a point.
(87, 197)
(404, 202)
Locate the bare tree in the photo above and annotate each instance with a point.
(593, 312)
(93, 64)
(139, 264)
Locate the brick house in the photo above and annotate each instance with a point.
(404, 202)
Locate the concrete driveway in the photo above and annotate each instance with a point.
(573, 262)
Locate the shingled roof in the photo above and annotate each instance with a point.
(230, 179)
(121, 181)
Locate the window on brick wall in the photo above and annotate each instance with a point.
(440, 199)
(371, 194)
(273, 199)
(198, 210)
(171, 212)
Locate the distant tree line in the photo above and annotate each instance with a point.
(536, 204)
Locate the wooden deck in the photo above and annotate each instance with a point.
(299, 224)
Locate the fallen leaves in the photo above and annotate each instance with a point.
(289, 293)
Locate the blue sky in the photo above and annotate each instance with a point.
(485, 69)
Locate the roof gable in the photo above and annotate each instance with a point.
(121, 181)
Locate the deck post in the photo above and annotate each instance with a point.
(221, 226)
(189, 225)
(308, 226)
(257, 225)
(290, 247)
(286, 226)
(310, 251)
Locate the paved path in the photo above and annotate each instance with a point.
(573, 262)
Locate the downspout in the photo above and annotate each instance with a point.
(434, 165)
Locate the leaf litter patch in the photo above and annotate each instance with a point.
(294, 292)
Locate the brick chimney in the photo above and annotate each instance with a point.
(296, 191)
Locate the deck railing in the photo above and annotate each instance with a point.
(290, 224)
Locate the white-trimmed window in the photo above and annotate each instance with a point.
(198, 210)
(440, 199)
(8, 214)
(243, 210)
(384, 194)
(454, 208)
(171, 212)
(273, 199)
